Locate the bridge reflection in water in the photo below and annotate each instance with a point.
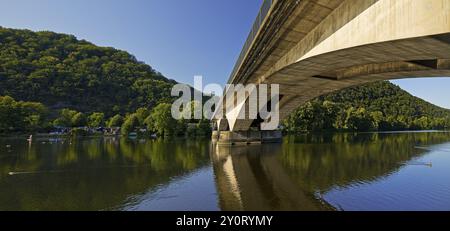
(349, 171)
(253, 178)
(295, 175)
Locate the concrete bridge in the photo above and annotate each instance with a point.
(315, 47)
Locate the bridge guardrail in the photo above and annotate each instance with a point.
(265, 8)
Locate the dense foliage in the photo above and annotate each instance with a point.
(16, 116)
(159, 121)
(374, 106)
(78, 84)
(62, 72)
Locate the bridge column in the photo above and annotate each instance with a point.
(246, 137)
(233, 130)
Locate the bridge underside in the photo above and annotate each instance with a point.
(314, 77)
(357, 42)
(311, 78)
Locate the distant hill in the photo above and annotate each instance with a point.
(374, 106)
(61, 71)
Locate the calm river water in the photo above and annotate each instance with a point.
(371, 171)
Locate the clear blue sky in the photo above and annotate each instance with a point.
(180, 38)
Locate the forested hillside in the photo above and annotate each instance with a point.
(51, 81)
(62, 72)
(374, 106)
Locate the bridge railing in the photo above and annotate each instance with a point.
(265, 8)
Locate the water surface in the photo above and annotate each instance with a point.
(371, 171)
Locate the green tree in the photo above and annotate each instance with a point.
(180, 128)
(115, 121)
(421, 123)
(149, 124)
(163, 122)
(203, 128)
(359, 120)
(96, 119)
(65, 118)
(377, 119)
(142, 114)
(19, 116)
(79, 120)
(33, 115)
(130, 124)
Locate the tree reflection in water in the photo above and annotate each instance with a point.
(109, 173)
(91, 174)
(292, 176)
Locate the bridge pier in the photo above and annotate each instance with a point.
(246, 137)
